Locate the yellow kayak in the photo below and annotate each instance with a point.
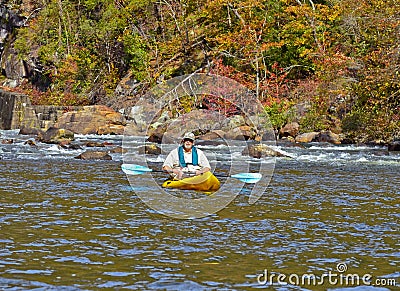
(204, 182)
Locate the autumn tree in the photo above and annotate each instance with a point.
(336, 60)
(371, 30)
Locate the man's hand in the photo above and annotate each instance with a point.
(202, 171)
(178, 173)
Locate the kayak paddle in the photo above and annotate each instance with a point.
(132, 169)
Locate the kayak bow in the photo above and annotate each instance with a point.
(204, 182)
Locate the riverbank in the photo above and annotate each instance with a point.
(17, 113)
(15, 146)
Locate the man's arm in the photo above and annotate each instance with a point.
(168, 166)
(204, 163)
(202, 171)
(177, 173)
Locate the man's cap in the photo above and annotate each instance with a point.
(189, 135)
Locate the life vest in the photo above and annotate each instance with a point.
(195, 157)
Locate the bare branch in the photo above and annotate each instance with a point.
(237, 14)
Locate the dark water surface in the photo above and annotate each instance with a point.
(67, 224)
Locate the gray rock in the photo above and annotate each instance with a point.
(92, 144)
(95, 119)
(394, 146)
(290, 129)
(29, 131)
(306, 137)
(94, 155)
(150, 149)
(30, 143)
(55, 135)
(328, 136)
(7, 141)
(261, 150)
(243, 132)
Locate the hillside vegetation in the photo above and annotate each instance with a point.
(329, 65)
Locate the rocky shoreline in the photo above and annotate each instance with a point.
(100, 120)
(59, 125)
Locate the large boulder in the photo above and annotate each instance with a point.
(261, 150)
(94, 155)
(394, 146)
(306, 137)
(198, 121)
(159, 135)
(234, 122)
(141, 115)
(290, 129)
(29, 131)
(97, 119)
(111, 129)
(243, 132)
(212, 135)
(150, 149)
(328, 136)
(323, 136)
(55, 135)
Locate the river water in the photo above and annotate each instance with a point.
(68, 224)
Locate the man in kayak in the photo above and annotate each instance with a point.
(186, 159)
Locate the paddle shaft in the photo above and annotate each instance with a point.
(166, 172)
(243, 177)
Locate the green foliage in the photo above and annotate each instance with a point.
(313, 121)
(364, 126)
(85, 46)
(279, 113)
(136, 55)
(21, 44)
(355, 122)
(308, 52)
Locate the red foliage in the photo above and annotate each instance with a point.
(275, 86)
(219, 68)
(222, 106)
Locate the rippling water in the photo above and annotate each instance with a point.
(69, 224)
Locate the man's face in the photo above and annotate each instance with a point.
(187, 144)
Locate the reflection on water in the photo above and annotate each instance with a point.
(70, 224)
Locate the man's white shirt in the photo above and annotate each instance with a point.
(172, 159)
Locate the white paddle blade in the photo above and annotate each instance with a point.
(250, 178)
(132, 169)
